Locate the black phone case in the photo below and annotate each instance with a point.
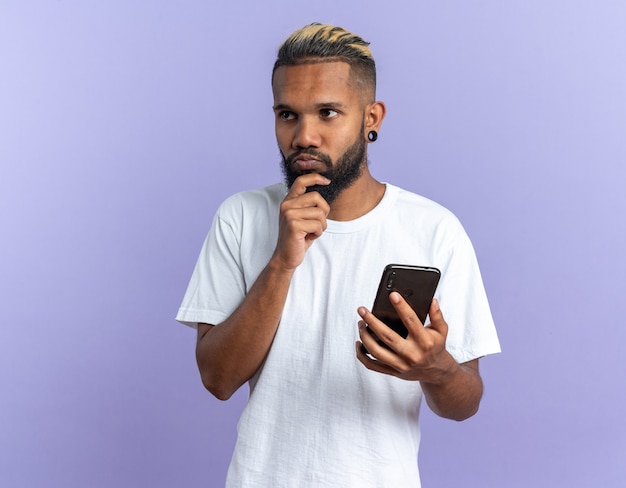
(417, 284)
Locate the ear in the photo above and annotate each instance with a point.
(374, 115)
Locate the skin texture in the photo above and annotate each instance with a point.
(317, 107)
(320, 115)
(451, 390)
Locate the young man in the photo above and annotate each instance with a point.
(286, 269)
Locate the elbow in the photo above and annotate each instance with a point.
(464, 415)
(218, 389)
(457, 412)
(221, 395)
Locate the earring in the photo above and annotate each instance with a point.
(372, 136)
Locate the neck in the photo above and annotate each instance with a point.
(358, 199)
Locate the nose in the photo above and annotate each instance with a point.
(306, 135)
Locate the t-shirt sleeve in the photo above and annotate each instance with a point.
(217, 285)
(463, 300)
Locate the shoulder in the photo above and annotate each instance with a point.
(427, 221)
(414, 204)
(269, 194)
(252, 202)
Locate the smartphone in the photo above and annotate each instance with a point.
(417, 284)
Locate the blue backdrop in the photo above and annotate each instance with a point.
(124, 124)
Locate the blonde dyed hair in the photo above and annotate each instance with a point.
(319, 43)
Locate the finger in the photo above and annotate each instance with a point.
(379, 328)
(371, 330)
(304, 213)
(301, 183)
(369, 340)
(437, 322)
(398, 360)
(306, 222)
(307, 200)
(373, 364)
(408, 316)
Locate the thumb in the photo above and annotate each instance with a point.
(437, 321)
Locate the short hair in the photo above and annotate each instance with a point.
(319, 43)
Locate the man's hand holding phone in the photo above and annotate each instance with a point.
(421, 356)
(302, 220)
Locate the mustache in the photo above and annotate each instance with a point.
(324, 158)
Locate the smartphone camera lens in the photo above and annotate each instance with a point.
(390, 280)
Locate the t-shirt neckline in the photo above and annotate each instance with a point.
(370, 218)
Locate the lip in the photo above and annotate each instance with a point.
(307, 162)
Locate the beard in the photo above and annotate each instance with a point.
(342, 173)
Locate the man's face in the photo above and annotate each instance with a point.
(319, 124)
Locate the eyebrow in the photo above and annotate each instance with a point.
(284, 106)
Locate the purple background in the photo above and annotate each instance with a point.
(123, 124)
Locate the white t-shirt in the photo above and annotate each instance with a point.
(316, 416)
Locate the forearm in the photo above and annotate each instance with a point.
(458, 393)
(230, 353)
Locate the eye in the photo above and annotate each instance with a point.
(328, 113)
(286, 115)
